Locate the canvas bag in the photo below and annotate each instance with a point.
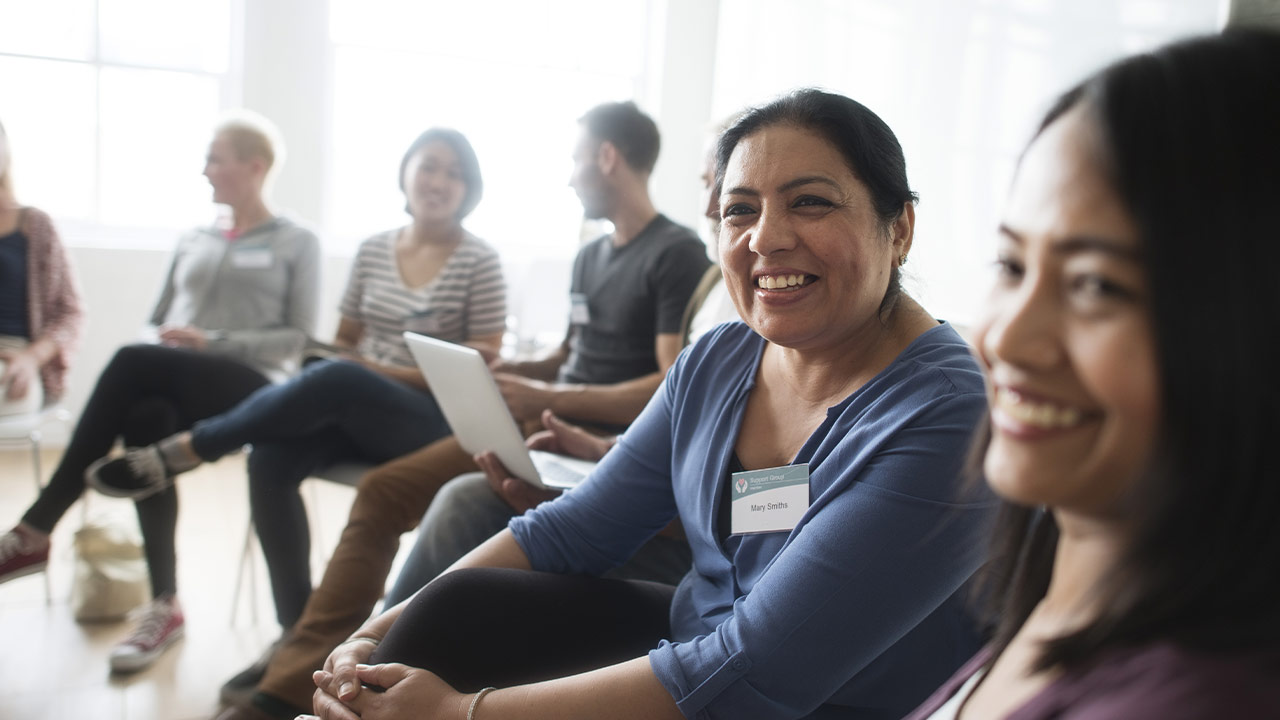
(111, 574)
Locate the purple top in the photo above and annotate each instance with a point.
(1156, 681)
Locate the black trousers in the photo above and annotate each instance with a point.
(146, 393)
(488, 627)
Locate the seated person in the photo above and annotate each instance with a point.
(1133, 571)
(471, 508)
(710, 304)
(40, 322)
(235, 307)
(629, 291)
(812, 454)
(371, 403)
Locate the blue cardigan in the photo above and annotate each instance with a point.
(858, 611)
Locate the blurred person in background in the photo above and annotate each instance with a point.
(40, 314)
(235, 308)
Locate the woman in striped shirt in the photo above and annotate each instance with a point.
(369, 403)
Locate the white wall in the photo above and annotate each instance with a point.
(680, 96)
(286, 58)
(1256, 13)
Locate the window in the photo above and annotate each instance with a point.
(108, 104)
(516, 92)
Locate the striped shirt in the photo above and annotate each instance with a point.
(465, 300)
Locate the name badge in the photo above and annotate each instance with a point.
(579, 313)
(423, 323)
(768, 500)
(252, 258)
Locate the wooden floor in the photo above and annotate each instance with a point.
(54, 668)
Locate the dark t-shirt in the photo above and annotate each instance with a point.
(632, 294)
(14, 318)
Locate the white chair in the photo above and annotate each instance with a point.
(343, 473)
(27, 429)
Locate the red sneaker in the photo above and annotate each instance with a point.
(159, 625)
(22, 552)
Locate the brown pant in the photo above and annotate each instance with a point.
(390, 501)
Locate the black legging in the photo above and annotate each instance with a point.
(482, 627)
(146, 393)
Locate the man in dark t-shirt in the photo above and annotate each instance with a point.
(633, 294)
(629, 292)
(629, 287)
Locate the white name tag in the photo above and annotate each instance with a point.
(252, 258)
(579, 313)
(769, 500)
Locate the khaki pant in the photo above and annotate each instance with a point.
(390, 501)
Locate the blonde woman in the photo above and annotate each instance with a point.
(235, 308)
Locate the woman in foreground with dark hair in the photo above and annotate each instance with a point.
(812, 454)
(1134, 408)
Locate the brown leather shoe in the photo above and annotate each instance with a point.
(239, 690)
